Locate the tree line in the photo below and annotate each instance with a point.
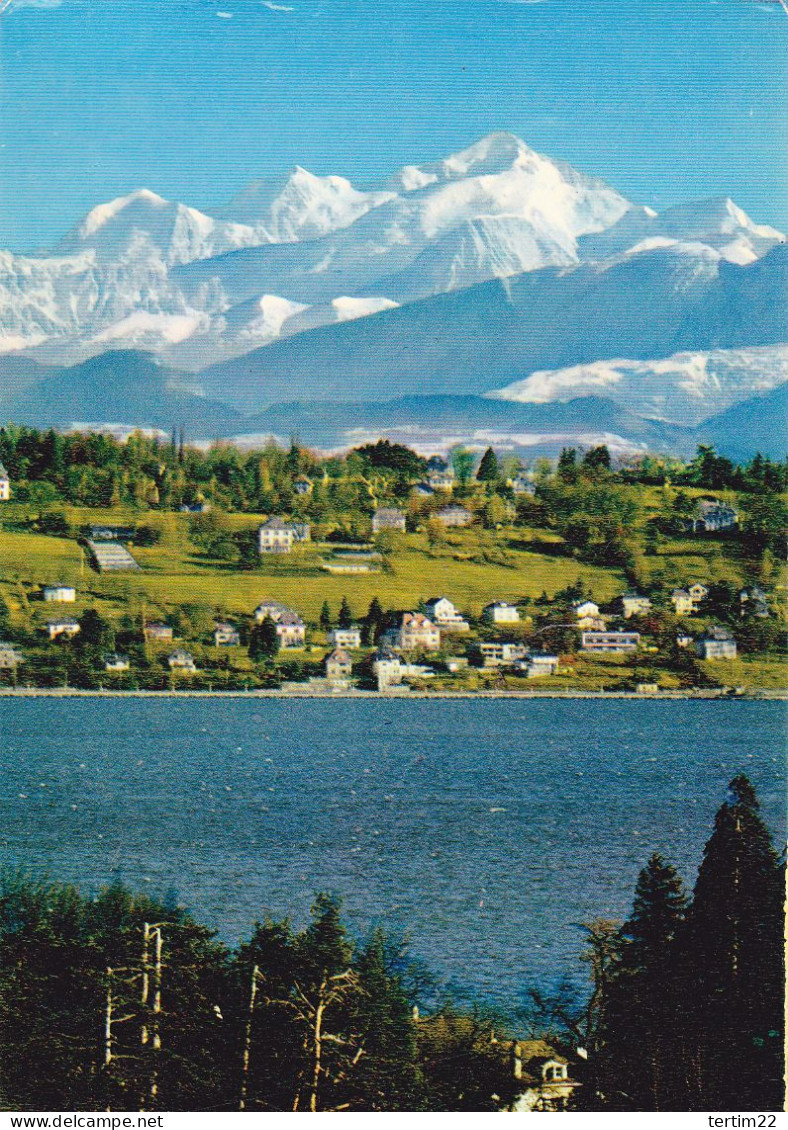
(123, 1001)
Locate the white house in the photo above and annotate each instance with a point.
(583, 609)
(454, 516)
(345, 637)
(339, 667)
(501, 613)
(716, 643)
(5, 485)
(67, 628)
(116, 663)
(387, 668)
(388, 518)
(156, 631)
(278, 536)
(501, 653)
(10, 658)
(537, 664)
(632, 604)
(711, 516)
(686, 602)
(290, 628)
(180, 660)
(225, 635)
(415, 633)
(59, 594)
(441, 610)
(614, 641)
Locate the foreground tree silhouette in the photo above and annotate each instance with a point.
(735, 964)
(638, 1069)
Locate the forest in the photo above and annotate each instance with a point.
(118, 1001)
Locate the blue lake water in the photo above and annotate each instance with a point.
(486, 829)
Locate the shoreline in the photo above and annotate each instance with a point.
(402, 696)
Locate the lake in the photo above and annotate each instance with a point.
(488, 829)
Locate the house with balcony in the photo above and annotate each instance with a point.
(716, 643)
(499, 612)
(443, 613)
(609, 641)
(225, 635)
(278, 536)
(181, 661)
(416, 632)
(345, 637)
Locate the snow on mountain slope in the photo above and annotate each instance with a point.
(719, 223)
(499, 206)
(685, 388)
(652, 304)
(144, 224)
(305, 206)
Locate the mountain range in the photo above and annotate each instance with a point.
(496, 278)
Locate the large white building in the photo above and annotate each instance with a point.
(501, 613)
(443, 612)
(278, 536)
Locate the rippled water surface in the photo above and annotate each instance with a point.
(486, 829)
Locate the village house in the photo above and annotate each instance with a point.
(195, 508)
(522, 484)
(441, 610)
(631, 604)
(537, 664)
(5, 485)
(345, 637)
(10, 658)
(686, 602)
(754, 602)
(712, 516)
(499, 612)
(225, 635)
(441, 480)
(59, 594)
(302, 485)
(423, 490)
(586, 614)
(543, 1075)
(388, 518)
(612, 640)
(501, 653)
(116, 663)
(66, 628)
(416, 632)
(454, 516)
(716, 643)
(338, 667)
(158, 632)
(684, 640)
(278, 536)
(387, 668)
(290, 628)
(180, 660)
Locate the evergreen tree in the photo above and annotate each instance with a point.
(638, 1068)
(373, 622)
(488, 471)
(735, 963)
(567, 465)
(263, 640)
(345, 618)
(325, 617)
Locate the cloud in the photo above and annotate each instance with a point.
(225, 15)
(277, 7)
(12, 5)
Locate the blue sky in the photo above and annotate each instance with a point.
(668, 100)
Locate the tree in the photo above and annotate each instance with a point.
(734, 950)
(639, 1057)
(325, 617)
(263, 640)
(596, 459)
(488, 471)
(374, 622)
(462, 462)
(567, 465)
(345, 618)
(95, 631)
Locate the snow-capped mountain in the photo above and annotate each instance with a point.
(685, 388)
(496, 270)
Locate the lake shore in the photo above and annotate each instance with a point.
(398, 696)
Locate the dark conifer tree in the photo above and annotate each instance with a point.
(325, 616)
(735, 964)
(637, 1058)
(489, 470)
(345, 618)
